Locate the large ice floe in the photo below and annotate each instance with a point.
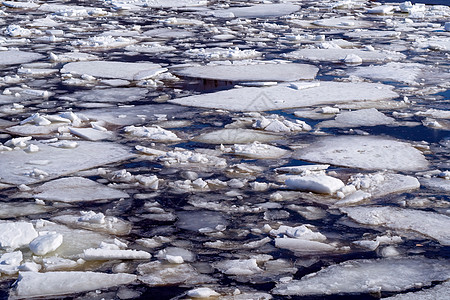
(252, 72)
(195, 149)
(289, 95)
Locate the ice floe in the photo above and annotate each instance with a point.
(339, 55)
(423, 222)
(357, 118)
(35, 284)
(14, 57)
(252, 72)
(21, 169)
(368, 276)
(366, 152)
(114, 69)
(289, 95)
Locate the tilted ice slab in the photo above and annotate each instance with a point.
(35, 284)
(357, 118)
(426, 223)
(14, 57)
(368, 276)
(20, 167)
(289, 95)
(337, 55)
(256, 72)
(365, 152)
(114, 69)
(258, 11)
(76, 189)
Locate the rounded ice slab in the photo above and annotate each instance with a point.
(257, 72)
(114, 69)
(14, 57)
(289, 95)
(34, 284)
(365, 152)
(367, 276)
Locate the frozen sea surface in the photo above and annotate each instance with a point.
(193, 149)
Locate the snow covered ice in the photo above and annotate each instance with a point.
(194, 149)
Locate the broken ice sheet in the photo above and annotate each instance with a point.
(368, 276)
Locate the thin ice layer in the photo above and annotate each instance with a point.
(289, 95)
(256, 72)
(34, 284)
(368, 276)
(76, 189)
(14, 57)
(427, 223)
(114, 69)
(365, 152)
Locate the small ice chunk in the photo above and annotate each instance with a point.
(46, 242)
(240, 267)
(352, 59)
(111, 254)
(202, 293)
(322, 184)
